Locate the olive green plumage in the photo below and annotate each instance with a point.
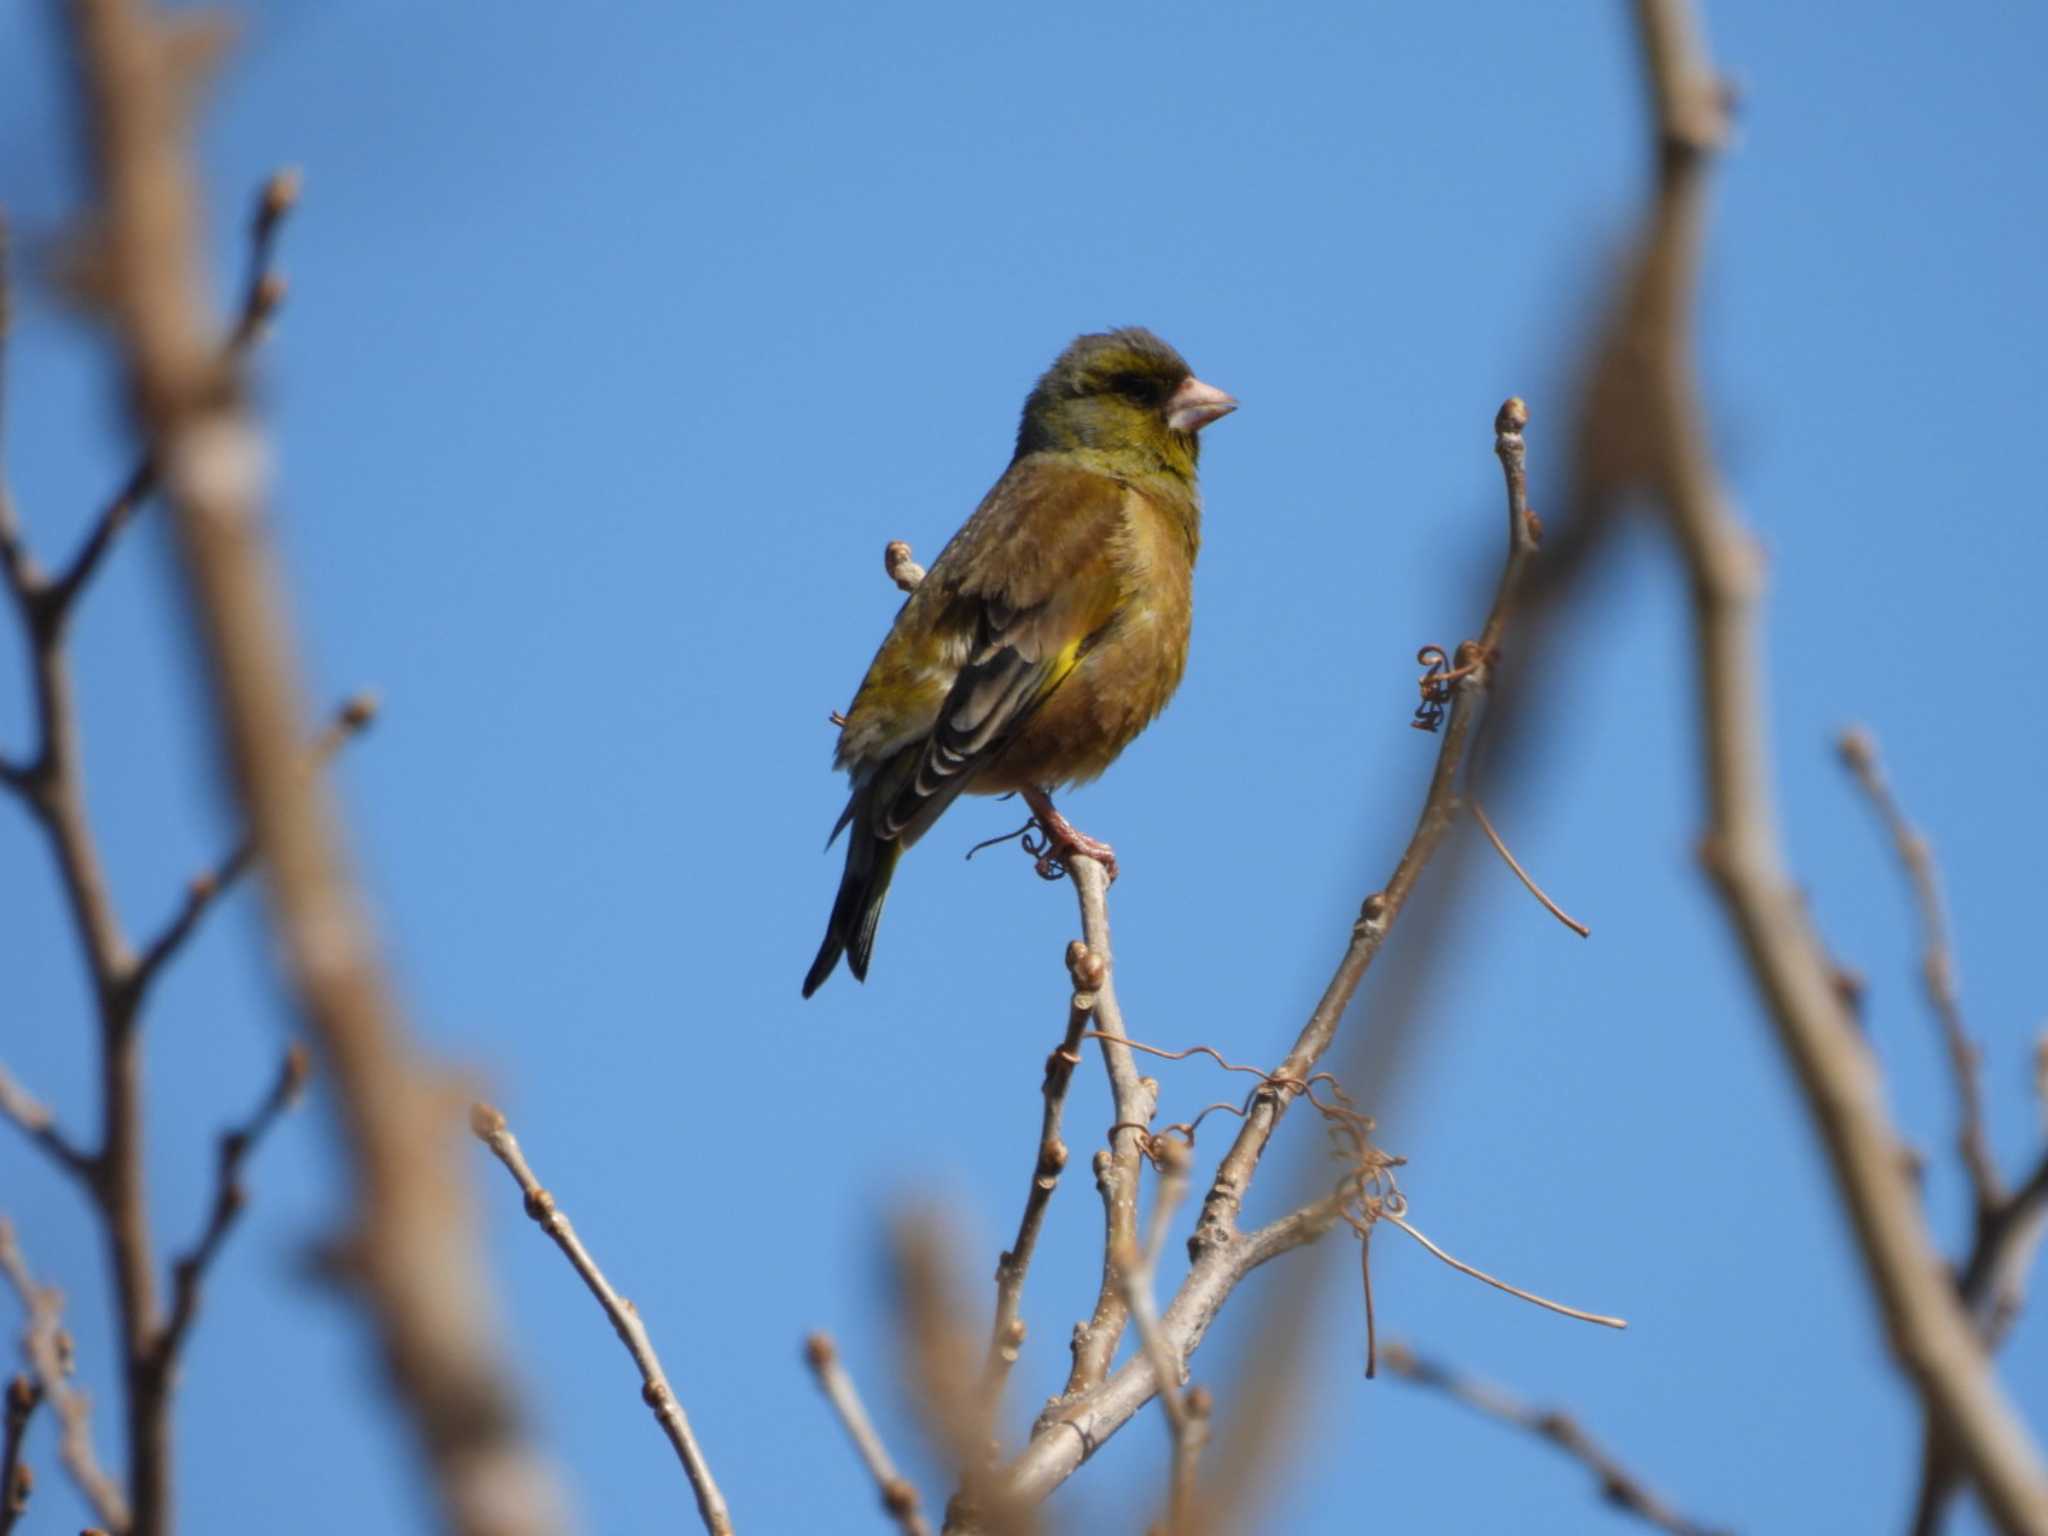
(1051, 629)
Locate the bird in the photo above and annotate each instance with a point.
(1050, 631)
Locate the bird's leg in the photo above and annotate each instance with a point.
(1063, 839)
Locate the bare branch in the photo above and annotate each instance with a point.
(51, 785)
(350, 720)
(1929, 1331)
(47, 1347)
(491, 1129)
(1071, 1432)
(1618, 1485)
(1086, 970)
(415, 1256)
(1528, 881)
(24, 1396)
(1136, 1268)
(1858, 749)
(1136, 1264)
(261, 296)
(228, 1200)
(1499, 1284)
(1475, 661)
(899, 1494)
(1992, 1283)
(1133, 1099)
(39, 1124)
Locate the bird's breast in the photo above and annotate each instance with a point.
(1125, 677)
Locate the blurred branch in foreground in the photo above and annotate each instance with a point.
(48, 781)
(413, 1255)
(1929, 1330)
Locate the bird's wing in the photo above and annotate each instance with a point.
(1032, 580)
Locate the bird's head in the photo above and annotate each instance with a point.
(1122, 392)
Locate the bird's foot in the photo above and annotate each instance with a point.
(1059, 841)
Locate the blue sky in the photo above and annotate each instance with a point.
(618, 344)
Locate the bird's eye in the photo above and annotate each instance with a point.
(1134, 386)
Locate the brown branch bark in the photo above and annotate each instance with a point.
(414, 1254)
(492, 1130)
(1927, 1327)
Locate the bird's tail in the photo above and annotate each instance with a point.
(870, 861)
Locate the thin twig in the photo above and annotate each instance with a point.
(1087, 972)
(47, 1348)
(899, 1494)
(1858, 750)
(1620, 1487)
(229, 1198)
(17, 1482)
(1930, 1333)
(1137, 1267)
(39, 1124)
(414, 1254)
(1133, 1098)
(492, 1130)
(1523, 875)
(1075, 1424)
(262, 294)
(1499, 1284)
(204, 890)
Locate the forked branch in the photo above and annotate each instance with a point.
(1077, 1423)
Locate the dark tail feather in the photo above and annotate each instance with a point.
(870, 861)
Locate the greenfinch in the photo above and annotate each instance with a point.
(1051, 630)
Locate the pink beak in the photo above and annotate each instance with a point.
(1195, 404)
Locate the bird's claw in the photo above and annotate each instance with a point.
(1054, 846)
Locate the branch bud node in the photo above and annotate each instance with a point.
(485, 1120)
